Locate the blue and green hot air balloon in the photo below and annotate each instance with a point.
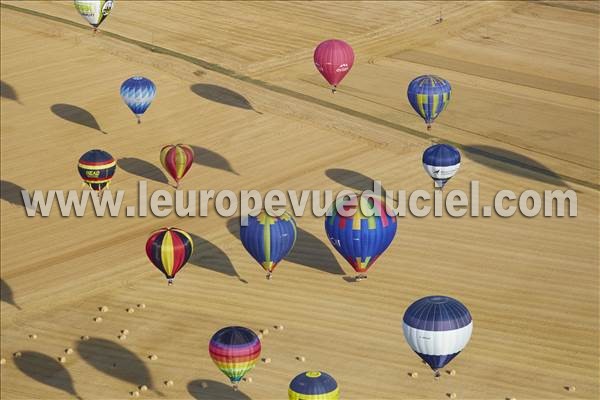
(269, 239)
(138, 92)
(429, 95)
(313, 385)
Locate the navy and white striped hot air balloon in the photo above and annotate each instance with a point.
(441, 162)
(437, 328)
(138, 92)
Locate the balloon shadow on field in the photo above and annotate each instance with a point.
(207, 255)
(8, 92)
(351, 179)
(77, 115)
(513, 163)
(143, 169)
(46, 370)
(11, 193)
(115, 360)
(6, 294)
(222, 95)
(308, 250)
(214, 390)
(208, 158)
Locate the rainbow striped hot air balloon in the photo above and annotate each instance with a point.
(429, 95)
(177, 160)
(169, 249)
(269, 239)
(96, 168)
(313, 385)
(437, 328)
(234, 350)
(364, 236)
(138, 92)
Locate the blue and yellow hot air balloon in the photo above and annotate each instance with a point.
(364, 236)
(429, 95)
(138, 92)
(96, 168)
(169, 249)
(269, 239)
(313, 385)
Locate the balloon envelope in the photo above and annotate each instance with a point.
(364, 236)
(94, 11)
(429, 95)
(169, 249)
(177, 160)
(138, 92)
(234, 350)
(441, 162)
(96, 168)
(269, 239)
(315, 385)
(334, 59)
(437, 328)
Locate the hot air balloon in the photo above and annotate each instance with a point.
(96, 168)
(361, 239)
(269, 239)
(441, 162)
(334, 59)
(169, 249)
(429, 95)
(234, 350)
(313, 385)
(138, 92)
(437, 328)
(94, 11)
(177, 160)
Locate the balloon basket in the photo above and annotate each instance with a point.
(436, 374)
(334, 89)
(360, 277)
(235, 387)
(428, 128)
(170, 282)
(269, 275)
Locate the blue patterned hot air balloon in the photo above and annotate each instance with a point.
(429, 95)
(96, 168)
(138, 92)
(441, 162)
(315, 385)
(361, 238)
(269, 239)
(437, 328)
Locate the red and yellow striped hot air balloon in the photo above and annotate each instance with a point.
(169, 249)
(177, 159)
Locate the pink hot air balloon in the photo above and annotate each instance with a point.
(334, 58)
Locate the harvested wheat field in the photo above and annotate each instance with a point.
(85, 314)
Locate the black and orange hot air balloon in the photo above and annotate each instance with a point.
(169, 249)
(177, 160)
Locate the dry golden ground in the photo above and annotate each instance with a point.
(525, 78)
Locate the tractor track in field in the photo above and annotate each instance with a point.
(216, 68)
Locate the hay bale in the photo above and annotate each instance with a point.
(85, 337)
(260, 335)
(278, 327)
(571, 388)
(17, 354)
(141, 305)
(69, 351)
(452, 395)
(2, 361)
(414, 374)
(169, 383)
(33, 336)
(153, 357)
(122, 337)
(266, 360)
(62, 360)
(143, 388)
(452, 372)
(135, 393)
(264, 331)
(301, 358)
(125, 331)
(248, 379)
(130, 310)
(103, 309)
(98, 319)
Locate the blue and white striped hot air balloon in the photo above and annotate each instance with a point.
(441, 162)
(437, 328)
(138, 92)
